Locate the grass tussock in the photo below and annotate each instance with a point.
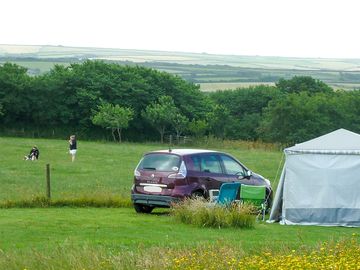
(43, 202)
(202, 214)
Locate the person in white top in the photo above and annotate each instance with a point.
(72, 147)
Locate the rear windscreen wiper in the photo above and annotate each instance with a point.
(149, 168)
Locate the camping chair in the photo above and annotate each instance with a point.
(255, 195)
(213, 195)
(228, 192)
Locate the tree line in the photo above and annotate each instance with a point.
(103, 100)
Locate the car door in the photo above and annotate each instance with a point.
(235, 171)
(210, 171)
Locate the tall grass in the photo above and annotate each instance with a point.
(41, 202)
(343, 254)
(213, 142)
(70, 257)
(202, 214)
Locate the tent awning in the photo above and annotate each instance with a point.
(324, 152)
(336, 142)
(320, 181)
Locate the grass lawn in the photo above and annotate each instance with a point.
(101, 170)
(122, 228)
(94, 238)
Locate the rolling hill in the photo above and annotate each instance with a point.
(211, 71)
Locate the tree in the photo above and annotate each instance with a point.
(63, 99)
(15, 94)
(218, 120)
(303, 83)
(245, 107)
(300, 117)
(198, 127)
(180, 124)
(161, 114)
(113, 117)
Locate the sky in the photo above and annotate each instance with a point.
(294, 28)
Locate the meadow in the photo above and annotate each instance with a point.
(117, 237)
(101, 170)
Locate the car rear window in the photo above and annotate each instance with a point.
(160, 162)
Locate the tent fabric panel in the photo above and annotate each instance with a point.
(323, 216)
(321, 181)
(276, 207)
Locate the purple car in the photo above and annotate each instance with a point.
(166, 176)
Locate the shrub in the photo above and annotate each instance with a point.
(202, 214)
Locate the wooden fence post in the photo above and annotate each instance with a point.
(48, 193)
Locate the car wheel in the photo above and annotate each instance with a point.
(197, 195)
(140, 208)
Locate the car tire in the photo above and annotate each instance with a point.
(197, 195)
(141, 208)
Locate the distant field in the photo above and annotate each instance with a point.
(210, 87)
(38, 67)
(212, 72)
(267, 62)
(346, 86)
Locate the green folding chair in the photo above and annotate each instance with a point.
(255, 195)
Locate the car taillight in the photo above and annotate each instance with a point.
(181, 174)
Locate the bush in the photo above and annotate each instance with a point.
(202, 214)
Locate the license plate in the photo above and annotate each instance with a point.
(152, 189)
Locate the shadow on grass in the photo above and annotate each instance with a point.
(161, 212)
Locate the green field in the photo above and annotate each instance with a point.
(101, 169)
(209, 70)
(86, 238)
(184, 58)
(211, 87)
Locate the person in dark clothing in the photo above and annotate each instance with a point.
(34, 154)
(72, 147)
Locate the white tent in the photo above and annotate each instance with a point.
(320, 182)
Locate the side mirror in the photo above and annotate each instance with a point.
(244, 174)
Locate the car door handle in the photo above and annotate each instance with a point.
(208, 179)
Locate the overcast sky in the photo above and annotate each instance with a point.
(300, 28)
